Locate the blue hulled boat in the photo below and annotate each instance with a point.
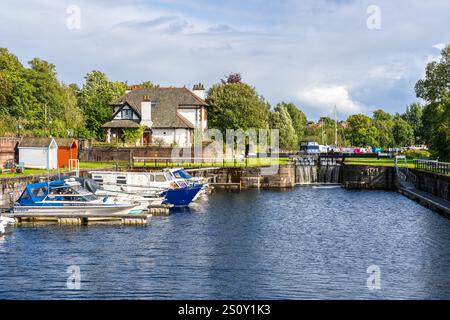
(181, 197)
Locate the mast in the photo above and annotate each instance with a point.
(335, 127)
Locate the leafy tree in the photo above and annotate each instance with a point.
(413, 116)
(440, 142)
(94, 99)
(437, 79)
(232, 78)
(383, 122)
(402, 133)
(434, 89)
(298, 118)
(236, 106)
(281, 120)
(361, 131)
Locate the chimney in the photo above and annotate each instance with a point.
(146, 112)
(199, 91)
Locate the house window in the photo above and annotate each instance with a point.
(126, 114)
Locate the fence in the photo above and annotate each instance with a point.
(432, 166)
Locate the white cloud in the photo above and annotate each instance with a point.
(326, 97)
(440, 46)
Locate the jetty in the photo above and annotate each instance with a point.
(79, 219)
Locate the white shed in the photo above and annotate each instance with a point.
(38, 153)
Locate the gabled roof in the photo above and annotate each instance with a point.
(166, 102)
(35, 142)
(66, 142)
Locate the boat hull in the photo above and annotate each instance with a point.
(76, 210)
(181, 197)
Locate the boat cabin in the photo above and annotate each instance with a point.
(54, 193)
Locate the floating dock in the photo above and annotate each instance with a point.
(428, 200)
(80, 219)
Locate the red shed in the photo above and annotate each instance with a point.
(67, 149)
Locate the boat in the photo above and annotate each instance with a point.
(68, 197)
(146, 201)
(180, 175)
(176, 191)
(5, 222)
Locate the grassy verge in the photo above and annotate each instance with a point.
(377, 162)
(229, 163)
(103, 165)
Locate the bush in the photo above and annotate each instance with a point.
(416, 154)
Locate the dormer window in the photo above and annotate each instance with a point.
(126, 114)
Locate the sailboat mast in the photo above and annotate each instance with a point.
(335, 127)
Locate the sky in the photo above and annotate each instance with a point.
(358, 55)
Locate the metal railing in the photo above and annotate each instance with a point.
(432, 166)
(199, 162)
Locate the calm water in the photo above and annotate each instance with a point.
(300, 244)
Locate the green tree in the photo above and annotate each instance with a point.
(236, 106)
(384, 123)
(281, 120)
(437, 79)
(440, 142)
(402, 133)
(361, 131)
(434, 89)
(413, 115)
(298, 118)
(94, 99)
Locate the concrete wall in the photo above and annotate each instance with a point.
(368, 177)
(436, 184)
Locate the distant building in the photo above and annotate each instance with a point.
(168, 115)
(38, 153)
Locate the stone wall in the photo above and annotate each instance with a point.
(368, 177)
(436, 184)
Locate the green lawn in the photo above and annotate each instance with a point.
(377, 162)
(103, 165)
(228, 163)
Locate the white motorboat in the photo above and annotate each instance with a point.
(68, 197)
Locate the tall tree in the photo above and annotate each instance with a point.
(361, 131)
(281, 120)
(437, 79)
(298, 118)
(413, 116)
(402, 133)
(434, 89)
(236, 106)
(384, 123)
(94, 99)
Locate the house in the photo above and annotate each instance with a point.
(67, 150)
(38, 153)
(169, 115)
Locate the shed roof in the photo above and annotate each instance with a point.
(66, 142)
(35, 142)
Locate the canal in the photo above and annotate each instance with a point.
(305, 243)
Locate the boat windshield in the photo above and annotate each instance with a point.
(70, 193)
(181, 174)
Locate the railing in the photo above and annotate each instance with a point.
(203, 162)
(432, 166)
